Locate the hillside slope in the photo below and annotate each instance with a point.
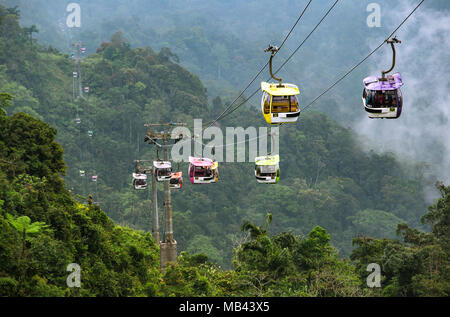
(328, 184)
(327, 179)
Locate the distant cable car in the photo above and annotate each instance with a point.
(86, 89)
(279, 103)
(78, 120)
(83, 50)
(75, 74)
(176, 180)
(202, 170)
(139, 181)
(267, 169)
(82, 173)
(163, 170)
(90, 133)
(94, 178)
(215, 169)
(382, 97)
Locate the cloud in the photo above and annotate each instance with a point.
(422, 133)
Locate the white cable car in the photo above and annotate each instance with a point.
(267, 169)
(139, 181)
(163, 170)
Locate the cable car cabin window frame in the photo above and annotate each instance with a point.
(201, 171)
(394, 94)
(399, 97)
(293, 102)
(267, 102)
(267, 169)
(137, 181)
(164, 172)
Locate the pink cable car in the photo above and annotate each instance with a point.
(202, 170)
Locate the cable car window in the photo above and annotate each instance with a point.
(369, 96)
(385, 99)
(293, 103)
(202, 171)
(268, 169)
(280, 104)
(140, 182)
(399, 98)
(266, 102)
(164, 171)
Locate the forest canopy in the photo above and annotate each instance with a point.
(333, 213)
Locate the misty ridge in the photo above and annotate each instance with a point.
(223, 42)
(420, 134)
(350, 175)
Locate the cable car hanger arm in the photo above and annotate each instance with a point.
(392, 41)
(273, 50)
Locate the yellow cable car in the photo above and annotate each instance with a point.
(215, 169)
(279, 103)
(267, 169)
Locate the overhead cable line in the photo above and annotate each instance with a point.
(303, 42)
(363, 60)
(223, 115)
(346, 74)
(290, 56)
(261, 70)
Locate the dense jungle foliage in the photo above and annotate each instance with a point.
(330, 192)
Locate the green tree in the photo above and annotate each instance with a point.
(5, 101)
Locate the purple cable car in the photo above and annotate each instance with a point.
(382, 97)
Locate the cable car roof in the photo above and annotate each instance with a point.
(393, 82)
(139, 176)
(201, 161)
(286, 90)
(267, 160)
(162, 164)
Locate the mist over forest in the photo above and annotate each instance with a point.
(357, 187)
(223, 42)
